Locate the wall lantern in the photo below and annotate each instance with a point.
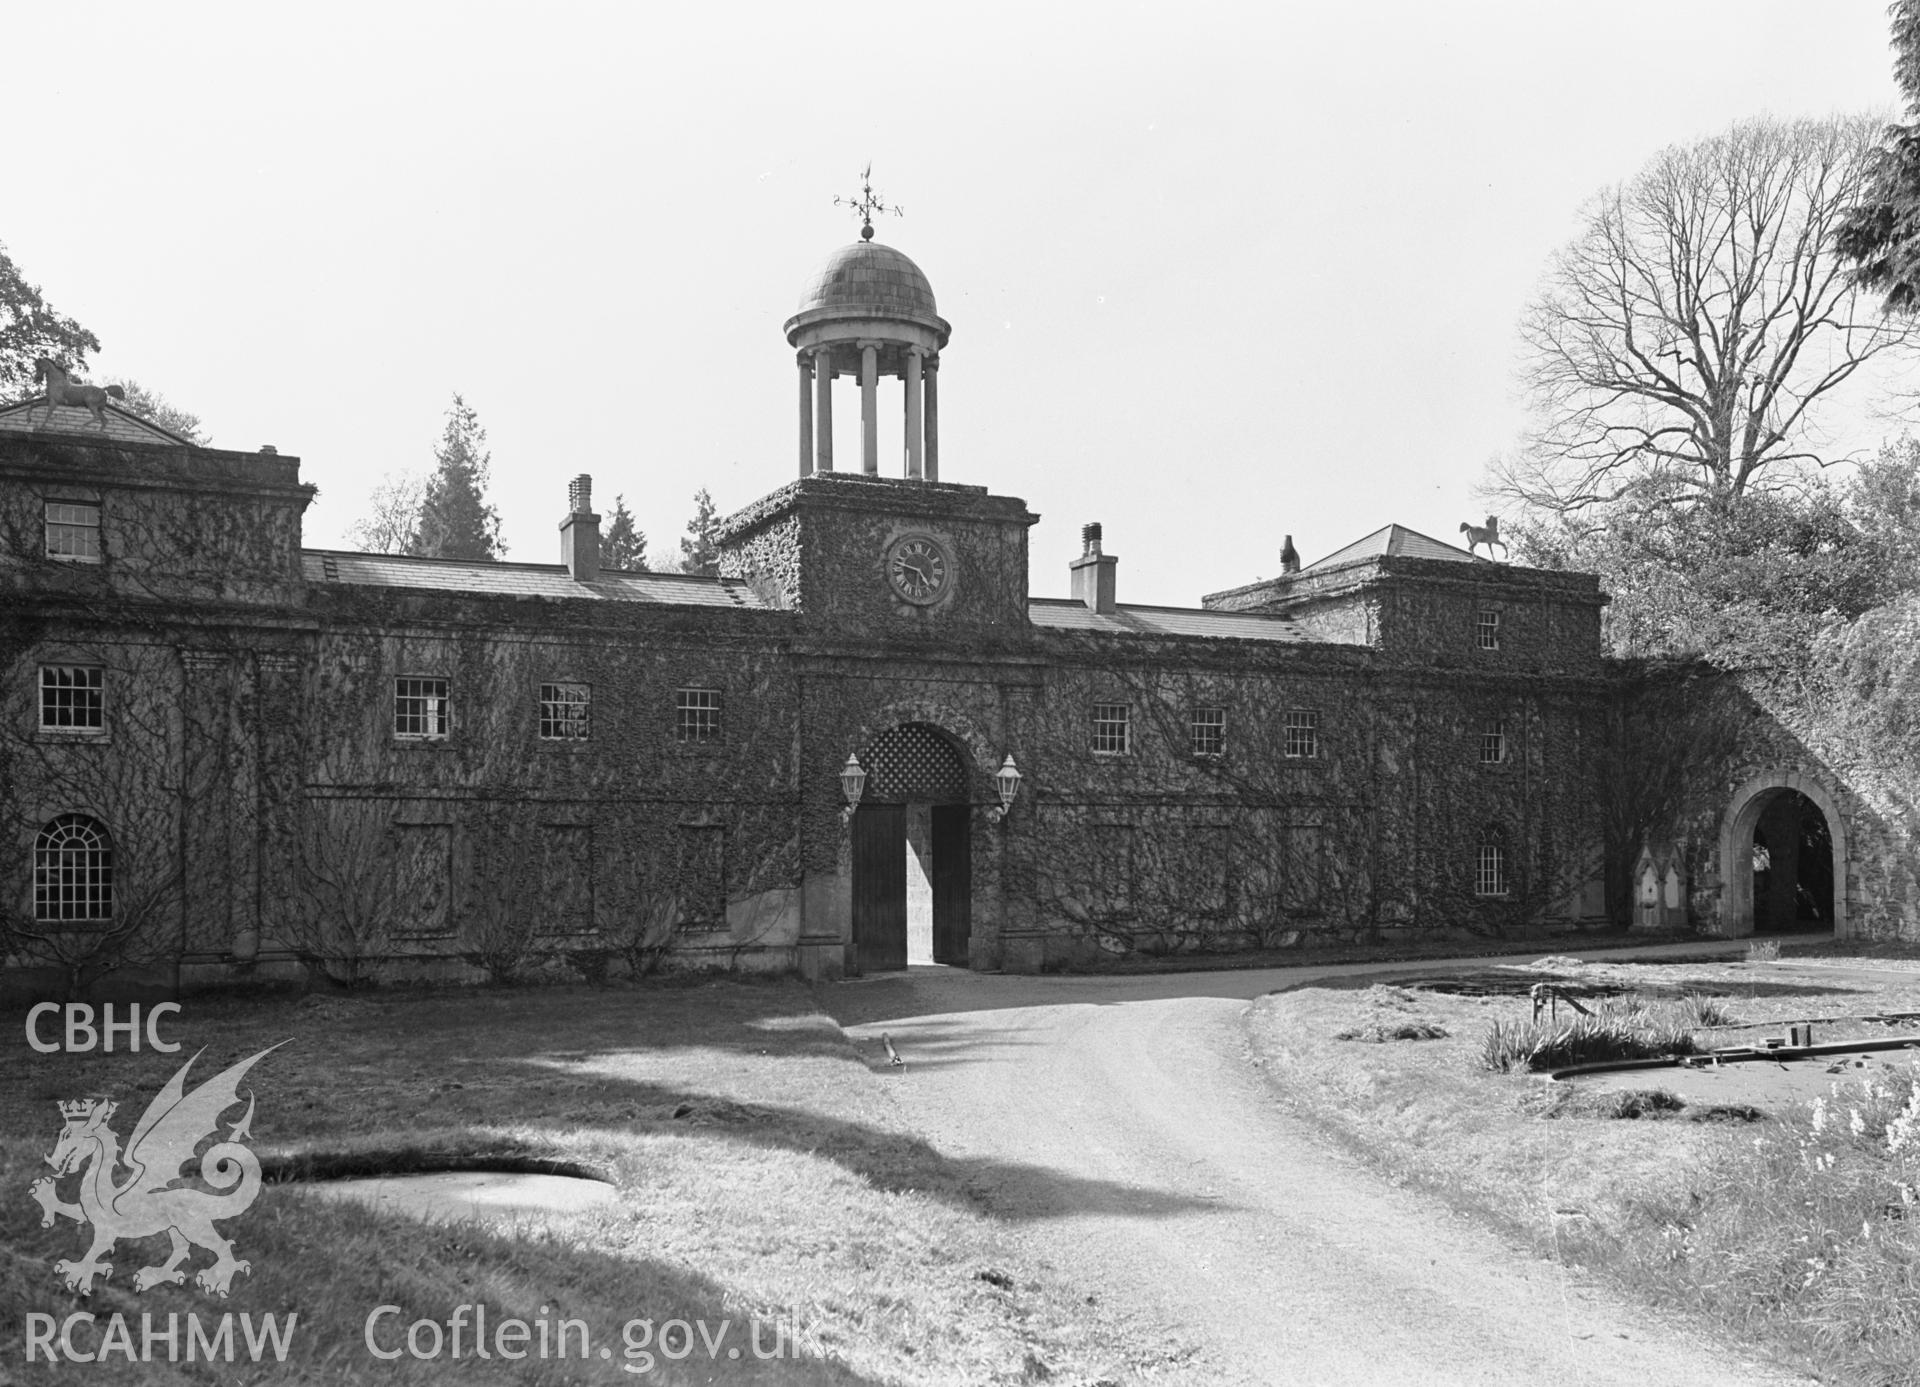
(853, 780)
(1007, 781)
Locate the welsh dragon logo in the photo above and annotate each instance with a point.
(152, 1198)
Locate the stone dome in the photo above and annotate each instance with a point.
(867, 277)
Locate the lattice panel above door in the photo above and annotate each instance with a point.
(913, 762)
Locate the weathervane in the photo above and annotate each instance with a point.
(867, 204)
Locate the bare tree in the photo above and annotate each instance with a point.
(500, 932)
(644, 934)
(666, 896)
(393, 515)
(343, 914)
(1688, 338)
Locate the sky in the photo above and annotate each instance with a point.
(1216, 273)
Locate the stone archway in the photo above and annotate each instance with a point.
(1766, 803)
(912, 851)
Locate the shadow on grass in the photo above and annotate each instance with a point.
(332, 1265)
(890, 1160)
(501, 1157)
(401, 1081)
(937, 1044)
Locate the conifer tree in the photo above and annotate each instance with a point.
(1880, 235)
(698, 551)
(455, 520)
(622, 544)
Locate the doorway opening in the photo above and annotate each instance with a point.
(1784, 860)
(912, 852)
(1792, 867)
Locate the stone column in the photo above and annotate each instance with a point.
(806, 414)
(913, 413)
(870, 408)
(930, 389)
(823, 409)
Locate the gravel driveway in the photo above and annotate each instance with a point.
(1122, 1125)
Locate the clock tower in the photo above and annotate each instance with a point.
(888, 556)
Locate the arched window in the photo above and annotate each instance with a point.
(1490, 866)
(73, 871)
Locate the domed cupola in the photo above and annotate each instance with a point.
(865, 280)
(867, 313)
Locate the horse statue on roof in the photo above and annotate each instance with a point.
(1487, 534)
(61, 390)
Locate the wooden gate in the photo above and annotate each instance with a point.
(952, 881)
(880, 887)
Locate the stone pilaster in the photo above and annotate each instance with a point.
(207, 810)
(279, 787)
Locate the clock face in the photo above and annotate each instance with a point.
(918, 568)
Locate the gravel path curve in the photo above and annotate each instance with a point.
(1120, 1123)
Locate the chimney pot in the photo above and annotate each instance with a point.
(580, 532)
(1093, 573)
(1289, 557)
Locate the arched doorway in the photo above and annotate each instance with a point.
(912, 851)
(1792, 866)
(1783, 859)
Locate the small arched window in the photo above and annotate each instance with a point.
(1490, 865)
(73, 871)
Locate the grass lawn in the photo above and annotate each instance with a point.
(763, 1177)
(1788, 1231)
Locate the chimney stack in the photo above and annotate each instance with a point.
(1093, 572)
(1289, 557)
(580, 532)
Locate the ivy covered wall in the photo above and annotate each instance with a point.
(1354, 781)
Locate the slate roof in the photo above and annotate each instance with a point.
(122, 427)
(1396, 541)
(1065, 614)
(521, 580)
(867, 274)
